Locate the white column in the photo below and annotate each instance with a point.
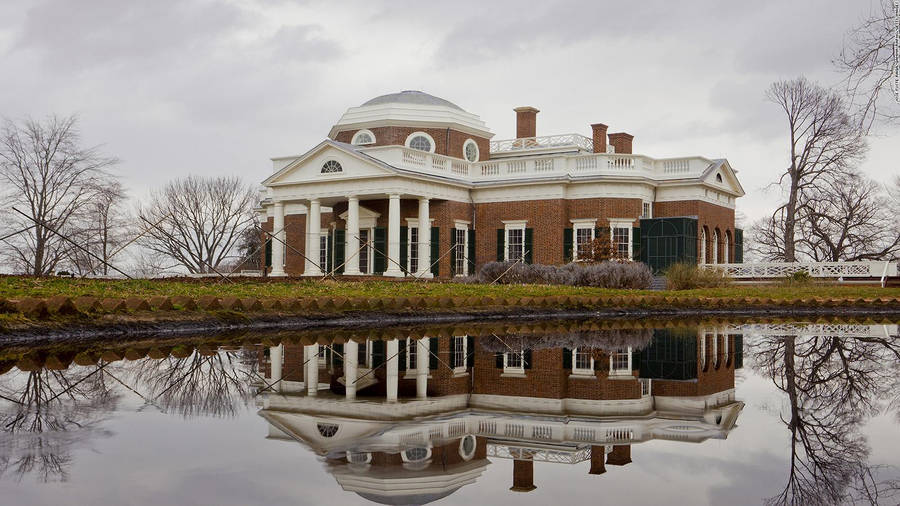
(351, 361)
(422, 360)
(424, 240)
(305, 367)
(276, 359)
(314, 233)
(393, 369)
(393, 252)
(278, 241)
(351, 253)
(312, 371)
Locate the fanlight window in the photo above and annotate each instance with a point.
(331, 166)
(421, 143)
(417, 454)
(363, 137)
(327, 429)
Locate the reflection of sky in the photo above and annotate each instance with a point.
(153, 458)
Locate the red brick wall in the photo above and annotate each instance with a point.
(708, 215)
(444, 144)
(295, 233)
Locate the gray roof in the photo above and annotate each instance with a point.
(411, 97)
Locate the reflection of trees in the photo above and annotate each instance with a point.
(44, 414)
(833, 385)
(217, 384)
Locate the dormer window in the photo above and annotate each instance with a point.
(363, 137)
(331, 166)
(420, 141)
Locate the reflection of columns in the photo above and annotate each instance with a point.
(393, 369)
(314, 233)
(523, 476)
(276, 356)
(424, 240)
(351, 362)
(312, 370)
(352, 251)
(598, 460)
(393, 247)
(619, 456)
(422, 359)
(305, 362)
(277, 244)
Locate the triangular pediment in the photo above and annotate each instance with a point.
(721, 176)
(329, 161)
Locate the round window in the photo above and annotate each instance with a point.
(416, 454)
(467, 447)
(421, 143)
(470, 150)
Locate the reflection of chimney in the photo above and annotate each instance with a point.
(599, 137)
(598, 456)
(523, 476)
(526, 122)
(622, 142)
(619, 456)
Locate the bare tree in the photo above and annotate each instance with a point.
(868, 61)
(824, 142)
(45, 173)
(197, 222)
(849, 219)
(102, 229)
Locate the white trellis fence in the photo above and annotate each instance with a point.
(836, 270)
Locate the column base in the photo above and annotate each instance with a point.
(357, 273)
(313, 273)
(393, 274)
(277, 274)
(426, 275)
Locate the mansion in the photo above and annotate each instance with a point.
(409, 184)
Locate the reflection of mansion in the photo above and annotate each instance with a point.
(411, 184)
(424, 414)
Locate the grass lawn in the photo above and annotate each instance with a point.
(16, 287)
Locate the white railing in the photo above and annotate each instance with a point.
(539, 454)
(814, 329)
(878, 270)
(545, 141)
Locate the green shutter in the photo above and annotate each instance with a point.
(471, 252)
(470, 351)
(567, 358)
(526, 357)
(433, 348)
(377, 353)
(529, 245)
(435, 250)
(453, 362)
(329, 257)
(636, 243)
(340, 242)
(499, 360)
(453, 252)
(401, 356)
(268, 251)
(501, 238)
(379, 244)
(568, 245)
(636, 360)
(738, 246)
(404, 247)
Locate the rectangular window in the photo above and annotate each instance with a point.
(515, 244)
(514, 362)
(620, 362)
(584, 237)
(364, 251)
(621, 242)
(413, 250)
(459, 353)
(647, 210)
(412, 351)
(583, 362)
(461, 267)
(323, 253)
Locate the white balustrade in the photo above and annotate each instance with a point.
(768, 270)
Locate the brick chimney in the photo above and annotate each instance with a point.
(598, 457)
(620, 454)
(526, 122)
(523, 476)
(599, 137)
(622, 142)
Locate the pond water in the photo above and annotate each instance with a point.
(584, 412)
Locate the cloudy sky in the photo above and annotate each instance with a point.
(218, 87)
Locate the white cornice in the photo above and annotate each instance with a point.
(410, 115)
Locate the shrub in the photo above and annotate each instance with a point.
(631, 275)
(682, 276)
(797, 278)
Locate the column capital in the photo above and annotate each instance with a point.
(424, 199)
(393, 196)
(313, 201)
(353, 198)
(278, 203)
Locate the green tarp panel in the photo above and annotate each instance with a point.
(453, 252)
(471, 252)
(665, 241)
(268, 252)
(340, 243)
(433, 347)
(404, 247)
(738, 246)
(529, 245)
(672, 355)
(501, 244)
(636, 243)
(435, 251)
(380, 244)
(401, 354)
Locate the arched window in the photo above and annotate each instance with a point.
(417, 454)
(420, 141)
(470, 150)
(703, 245)
(331, 166)
(327, 429)
(719, 178)
(715, 247)
(363, 137)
